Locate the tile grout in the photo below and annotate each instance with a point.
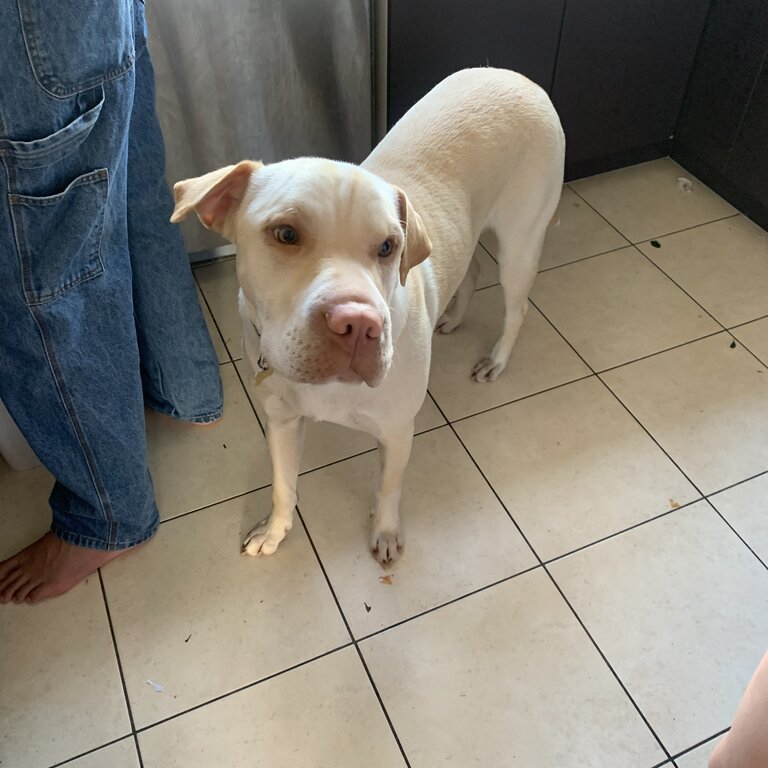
(448, 423)
(687, 750)
(352, 638)
(557, 587)
(120, 669)
(70, 760)
(245, 687)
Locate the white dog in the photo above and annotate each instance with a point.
(338, 298)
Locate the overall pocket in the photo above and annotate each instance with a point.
(59, 236)
(74, 45)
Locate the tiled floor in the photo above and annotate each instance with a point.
(584, 582)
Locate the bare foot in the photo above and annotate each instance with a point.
(47, 568)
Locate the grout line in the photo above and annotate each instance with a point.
(120, 668)
(625, 530)
(243, 688)
(215, 321)
(518, 399)
(702, 743)
(659, 352)
(739, 482)
(585, 258)
(453, 600)
(214, 504)
(657, 443)
(746, 322)
(737, 534)
(686, 229)
(701, 306)
(557, 586)
(352, 638)
(488, 252)
(656, 237)
(70, 760)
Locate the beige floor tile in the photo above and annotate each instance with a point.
(723, 265)
(540, 359)
(194, 615)
(678, 606)
(219, 285)
(192, 466)
(218, 343)
(744, 507)
(580, 232)
(489, 269)
(323, 715)
(617, 307)
(119, 755)
(706, 405)
(60, 690)
(699, 757)
(573, 466)
(325, 443)
(24, 511)
(506, 678)
(458, 537)
(643, 201)
(754, 336)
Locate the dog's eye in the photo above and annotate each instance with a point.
(286, 235)
(385, 248)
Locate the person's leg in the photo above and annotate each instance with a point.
(69, 362)
(180, 371)
(746, 744)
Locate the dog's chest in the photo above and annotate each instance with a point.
(337, 403)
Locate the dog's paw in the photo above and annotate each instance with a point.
(447, 323)
(488, 369)
(264, 539)
(386, 547)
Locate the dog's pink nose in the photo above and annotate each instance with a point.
(354, 323)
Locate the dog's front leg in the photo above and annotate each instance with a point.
(386, 535)
(285, 438)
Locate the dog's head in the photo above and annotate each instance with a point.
(321, 247)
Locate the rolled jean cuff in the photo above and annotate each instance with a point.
(111, 543)
(206, 418)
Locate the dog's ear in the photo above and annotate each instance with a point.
(417, 243)
(215, 196)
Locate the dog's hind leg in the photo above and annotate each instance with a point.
(519, 255)
(451, 319)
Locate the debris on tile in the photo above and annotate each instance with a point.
(655, 243)
(386, 579)
(367, 607)
(156, 687)
(684, 185)
(733, 345)
(188, 639)
(224, 446)
(673, 504)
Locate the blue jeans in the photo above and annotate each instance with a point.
(98, 307)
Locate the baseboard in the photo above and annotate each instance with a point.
(717, 181)
(582, 168)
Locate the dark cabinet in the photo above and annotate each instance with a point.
(722, 134)
(728, 61)
(621, 74)
(747, 166)
(616, 69)
(430, 39)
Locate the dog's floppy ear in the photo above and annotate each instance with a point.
(417, 243)
(215, 196)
